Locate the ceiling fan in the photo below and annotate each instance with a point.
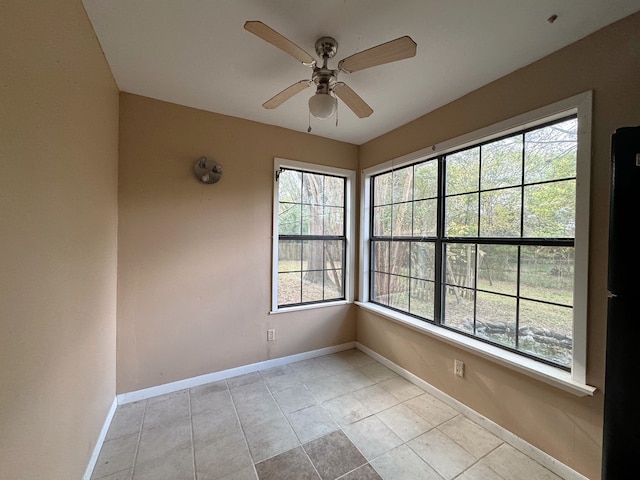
(323, 104)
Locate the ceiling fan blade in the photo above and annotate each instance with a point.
(398, 49)
(286, 94)
(352, 100)
(268, 34)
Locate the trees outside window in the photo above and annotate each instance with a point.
(481, 240)
(313, 233)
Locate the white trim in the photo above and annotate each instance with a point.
(309, 307)
(103, 434)
(581, 105)
(551, 463)
(545, 373)
(350, 229)
(150, 392)
(581, 249)
(557, 110)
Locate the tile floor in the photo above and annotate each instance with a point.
(340, 416)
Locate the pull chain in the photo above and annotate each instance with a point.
(309, 129)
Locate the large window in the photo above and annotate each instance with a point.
(312, 251)
(480, 240)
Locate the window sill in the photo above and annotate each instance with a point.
(309, 307)
(540, 371)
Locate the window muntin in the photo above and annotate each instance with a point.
(506, 217)
(312, 230)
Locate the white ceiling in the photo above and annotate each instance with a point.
(196, 52)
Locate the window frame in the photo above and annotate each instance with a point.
(349, 230)
(573, 381)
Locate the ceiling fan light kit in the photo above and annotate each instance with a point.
(323, 104)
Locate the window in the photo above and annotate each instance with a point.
(312, 230)
(487, 237)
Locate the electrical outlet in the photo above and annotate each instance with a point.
(458, 368)
(271, 334)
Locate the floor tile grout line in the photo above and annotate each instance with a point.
(244, 433)
(336, 370)
(135, 455)
(315, 469)
(193, 444)
(280, 408)
(320, 404)
(502, 442)
(340, 427)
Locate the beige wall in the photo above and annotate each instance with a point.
(566, 427)
(194, 275)
(58, 216)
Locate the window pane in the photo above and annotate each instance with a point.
(310, 263)
(423, 260)
(461, 216)
(334, 191)
(460, 265)
(546, 331)
(399, 293)
(289, 288)
(498, 268)
(425, 180)
(549, 210)
(333, 221)
(381, 256)
(290, 186)
(496, 318)
(333, 254)
(289, 256)
(312, 219)
(515, 292)
(382, 189)
(382, 221)
(422, 298)
(500, 213)
(312, 287)
(312, 188)
(463, 172)
(502, 163)
(333, 286)
(547, 274)
(425, 216)
(289, 219)
(400, 258)
(312, 257)
(550, 152)
(401, 219)
(402, 185)
(380, 288)
(459, 304)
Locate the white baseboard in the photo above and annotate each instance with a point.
(535, 453)
(103, 433)
(196, 381)
(224, 374)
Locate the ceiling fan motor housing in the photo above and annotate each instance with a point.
(326, 47)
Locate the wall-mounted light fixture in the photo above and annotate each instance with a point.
(207, 170)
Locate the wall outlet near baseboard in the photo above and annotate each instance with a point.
(271, 334)
(458, 368)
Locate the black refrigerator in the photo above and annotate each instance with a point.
(621, 431)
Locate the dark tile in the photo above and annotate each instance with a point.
(365, 472)
(334, 455)
(291, 465)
